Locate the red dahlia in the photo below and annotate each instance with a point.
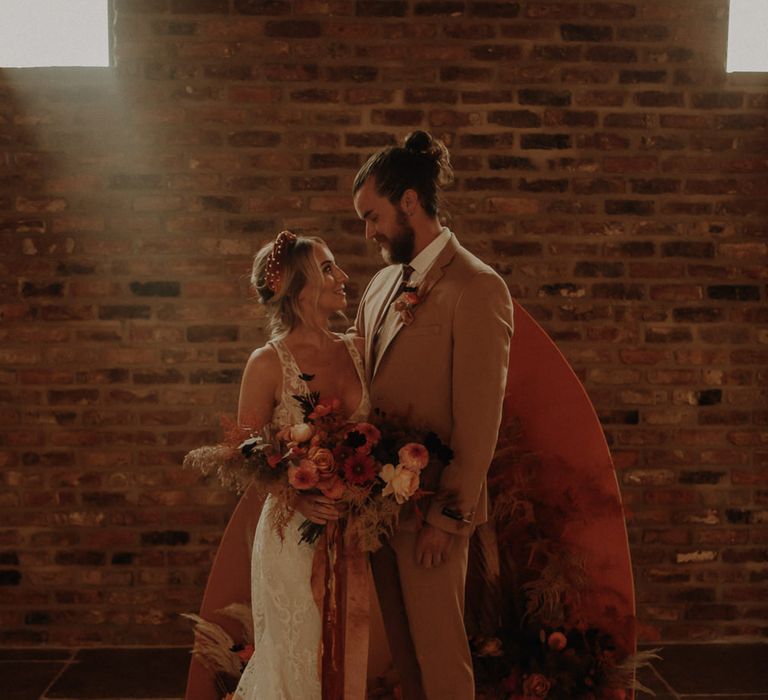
(359, 469)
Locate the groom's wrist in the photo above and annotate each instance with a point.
(449, 519)
(456, 515)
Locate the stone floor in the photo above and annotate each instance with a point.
(686, 672)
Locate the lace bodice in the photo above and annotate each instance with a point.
(288, 411)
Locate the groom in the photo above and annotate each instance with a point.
(437, 323)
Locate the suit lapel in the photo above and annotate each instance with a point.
(379, 305)
(430, 280)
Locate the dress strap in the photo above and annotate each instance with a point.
(356, 358)
(293, 383)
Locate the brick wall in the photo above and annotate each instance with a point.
(607, 167)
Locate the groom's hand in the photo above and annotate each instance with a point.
(432, 545)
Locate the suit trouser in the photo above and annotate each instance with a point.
(423, 613)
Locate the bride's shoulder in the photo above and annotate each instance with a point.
(263, 361)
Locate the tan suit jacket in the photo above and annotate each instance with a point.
(446, 371)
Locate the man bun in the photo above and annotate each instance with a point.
(423, 143)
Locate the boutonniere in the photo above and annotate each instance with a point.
(405, 304)
(410, 297)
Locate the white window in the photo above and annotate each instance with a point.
(748, 36)
(37, 33)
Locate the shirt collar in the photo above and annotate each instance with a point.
(424, 260)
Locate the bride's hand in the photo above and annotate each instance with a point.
(318, 508)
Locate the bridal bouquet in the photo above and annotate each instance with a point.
(372, 468)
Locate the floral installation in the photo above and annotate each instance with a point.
(373, 469)
(217, 650)
(536, 628)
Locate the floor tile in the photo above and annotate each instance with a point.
(124, 673)
(721, 669)
(26, 680)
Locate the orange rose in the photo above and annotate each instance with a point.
(413, 456)
(323, 459)
(304, 476)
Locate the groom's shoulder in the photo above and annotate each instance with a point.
(469, 265)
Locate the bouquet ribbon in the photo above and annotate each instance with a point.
(340, 589)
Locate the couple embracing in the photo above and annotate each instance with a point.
(437, 353)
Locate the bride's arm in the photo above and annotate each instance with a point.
(259, 389)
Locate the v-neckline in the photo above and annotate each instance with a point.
(348, 346)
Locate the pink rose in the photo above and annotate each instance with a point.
(304, 476)
(536, 685)
(401, 482)
(413, 456)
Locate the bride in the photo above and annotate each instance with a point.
(301, 288)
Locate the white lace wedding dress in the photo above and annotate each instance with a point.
(286, 620)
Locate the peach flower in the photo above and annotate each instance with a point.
(401, 482)
(304, 476)
(413, 456)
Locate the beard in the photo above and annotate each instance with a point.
(401, 243)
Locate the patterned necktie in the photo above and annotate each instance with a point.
(407, 272)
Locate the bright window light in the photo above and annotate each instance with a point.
(748, 36)
(38, 33)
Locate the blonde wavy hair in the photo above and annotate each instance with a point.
(298, 267)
